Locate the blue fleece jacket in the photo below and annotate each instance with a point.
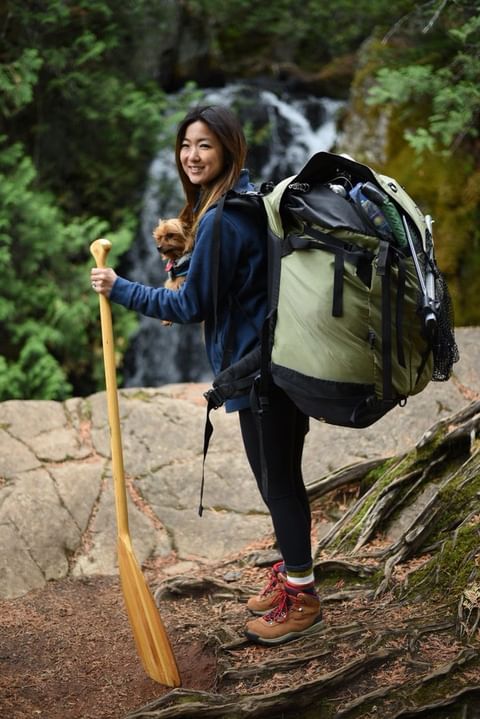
(242, 288)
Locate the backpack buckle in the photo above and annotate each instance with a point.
(214, 398)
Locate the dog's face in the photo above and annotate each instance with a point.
(171, 239)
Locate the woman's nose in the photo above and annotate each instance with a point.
(194, 154)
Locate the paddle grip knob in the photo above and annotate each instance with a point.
(100, 249)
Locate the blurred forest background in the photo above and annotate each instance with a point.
(91, 90)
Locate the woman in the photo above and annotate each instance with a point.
(210, 154)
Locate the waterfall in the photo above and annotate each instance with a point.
(297, 128)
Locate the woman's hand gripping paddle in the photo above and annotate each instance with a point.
(149, 633)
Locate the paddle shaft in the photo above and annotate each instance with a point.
(150, 637)
(100, 249)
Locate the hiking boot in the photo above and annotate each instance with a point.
(295, 616)
(271, 594)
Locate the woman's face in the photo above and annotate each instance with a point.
(201, 154)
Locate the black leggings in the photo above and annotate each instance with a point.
(283, 434)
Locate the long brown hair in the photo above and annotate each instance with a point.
(228, 129)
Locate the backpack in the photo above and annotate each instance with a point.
(359, 315)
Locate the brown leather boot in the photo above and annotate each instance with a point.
(271, 594)
(295, 616)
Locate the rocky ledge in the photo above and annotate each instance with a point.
(57, 514)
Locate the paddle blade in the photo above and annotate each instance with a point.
(151, 639)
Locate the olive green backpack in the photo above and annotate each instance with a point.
(360, 317)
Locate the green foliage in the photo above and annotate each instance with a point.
(17, 80)
(443, 78)
(48, 313)
(73, 99)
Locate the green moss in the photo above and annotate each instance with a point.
(431, 443)
(382, 477)
(451, 568)
(141, 395)
(85, 410)
(447, 188)
(442, 687)
(375, 474)
(456, 500)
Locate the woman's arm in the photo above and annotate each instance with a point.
(193, 302)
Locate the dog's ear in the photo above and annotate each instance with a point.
(158, 229)
(177, 226)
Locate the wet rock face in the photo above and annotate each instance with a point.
(174, 43)
(172, 46)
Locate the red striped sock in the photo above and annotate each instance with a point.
(294, 589)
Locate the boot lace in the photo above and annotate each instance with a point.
(272, 584)
(279, 613)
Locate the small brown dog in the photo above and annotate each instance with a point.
(175, 245)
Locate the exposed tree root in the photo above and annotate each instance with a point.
(397, 691)
(411, 501)
(190, 705)
(342, 477)
(466, 702)
(188, 586)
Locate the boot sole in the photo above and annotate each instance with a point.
(275, 641)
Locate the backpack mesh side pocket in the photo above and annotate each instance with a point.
(445, 350)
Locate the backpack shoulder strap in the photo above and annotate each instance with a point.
(247, 201)
(215, 268)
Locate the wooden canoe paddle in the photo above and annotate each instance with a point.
(151, 639)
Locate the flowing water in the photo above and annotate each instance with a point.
(297, 128)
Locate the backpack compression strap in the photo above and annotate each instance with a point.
(357, 256)
(212, 401)
(217, 223)
(384, 271)
(362, 259)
